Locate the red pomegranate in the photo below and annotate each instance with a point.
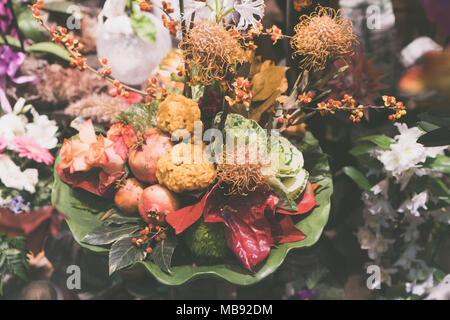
(143, 159)
(128, 197)
(156, 202)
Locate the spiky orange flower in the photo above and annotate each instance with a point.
(211, 49)
(240, 174)
(321, 37)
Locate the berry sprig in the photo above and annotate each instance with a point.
(144, 5)
(399, 107)
(154, 91)
(347, 103)
(75, 48)
(275, 34)
(299, 5)
(242, 93)
(148, 236)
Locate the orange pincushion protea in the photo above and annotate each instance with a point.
(322, 36)
(213, 49)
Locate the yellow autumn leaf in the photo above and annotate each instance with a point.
(267, 81)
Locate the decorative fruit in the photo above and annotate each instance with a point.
(207, 241)
(143, 159)
(156, 202)
(128, 197)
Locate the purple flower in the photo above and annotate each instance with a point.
(6, 19)
(17, 205)
(438, 11)
(307, 294)
(10, 63)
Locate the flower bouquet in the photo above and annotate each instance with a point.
(26, 143)
(215, 174)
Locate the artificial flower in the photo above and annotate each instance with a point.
(12, 177)
(28, 148)
(247, 10)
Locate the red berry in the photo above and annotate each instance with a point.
(346, 96)
(154, 80)
(149, 250)
(51, 31)
(134, 240)
(113, 94)
(116, 83)
(105, 61)
(63, 30)
(149, 98)
(280, 120)
(391, 117)
(37, 13)
(108, 72)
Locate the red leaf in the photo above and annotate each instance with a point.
(181, 219)
(285, 231)
(92, 181)
(306, 204)
(247, 230)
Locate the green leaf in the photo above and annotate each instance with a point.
(11, 41)
(440, 164)
(163, 251)
(139, 116)
(29, 26)
(108, 234)
(59, 6)
(357, 177)
(123, 254)
(437, 121)
(361, 150)
(380, 140)
(51, 48)
(121, 219)
(143, 26)
(435, 138)
(426, 126)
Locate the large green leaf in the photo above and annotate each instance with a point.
(81, 222)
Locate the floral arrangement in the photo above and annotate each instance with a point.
(154, 189)
(405, 196)
(26, 143)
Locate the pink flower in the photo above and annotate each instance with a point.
(93, 163)
(3, 144)
(27, 148)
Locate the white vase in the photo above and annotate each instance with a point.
(132, 59)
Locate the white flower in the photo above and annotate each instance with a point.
(420, 289)
(417, 202)
(12, 125)
(12, 177)
(406, 154)
(408, 257)
(42, 131)
(381, 187)
(365, 238)
(247, 10)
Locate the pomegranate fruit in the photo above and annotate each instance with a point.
(144, 158)
(128, 197)
(156, 202)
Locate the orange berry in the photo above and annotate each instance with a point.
(280, 120)
(104, 61)
(116, 83)
(149, 250)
